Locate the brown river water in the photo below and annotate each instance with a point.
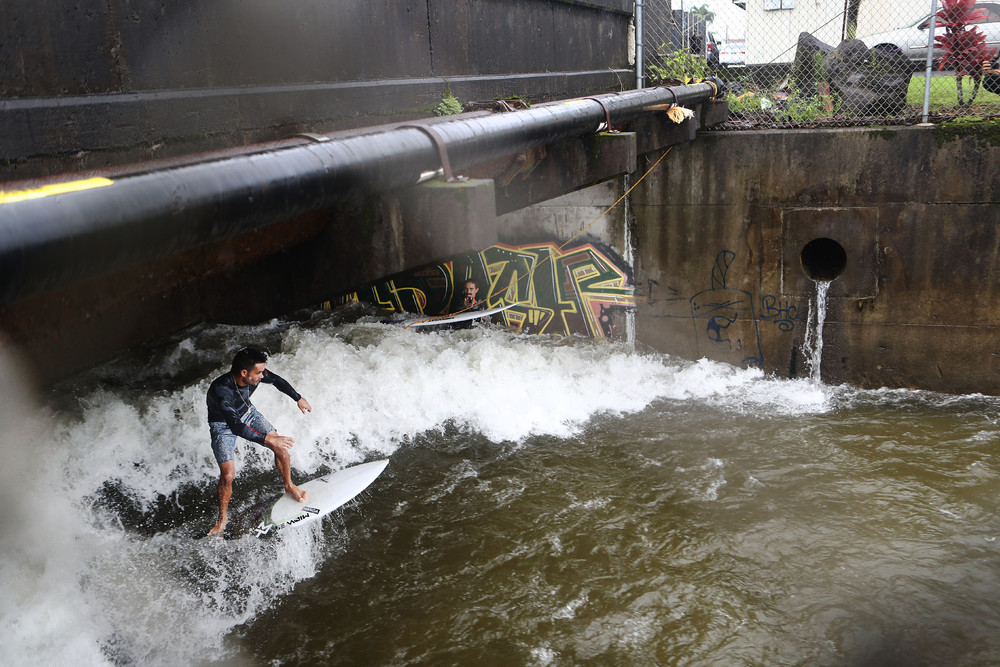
(548, 501)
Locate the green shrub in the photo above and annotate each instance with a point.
(745, 104)
(803, 109)
(681, 65)
(448, 105)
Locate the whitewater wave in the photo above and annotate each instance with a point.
(95, 573)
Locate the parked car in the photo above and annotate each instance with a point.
(733, 52)
(911, 40)
(706, 46)
(712, 50)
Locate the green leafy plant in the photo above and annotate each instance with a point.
(810, 74)
(803, 109)
(682, 66)
(744, 104)
(820, 68)
(448, 105)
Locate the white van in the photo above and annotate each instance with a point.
(733, 51)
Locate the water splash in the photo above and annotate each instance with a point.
(812, 346)
(629, 257)
(109, 555)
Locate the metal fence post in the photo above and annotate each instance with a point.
(930, 62)
(638, 46)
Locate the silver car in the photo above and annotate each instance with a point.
(911, 41)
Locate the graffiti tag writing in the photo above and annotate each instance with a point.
(782, 313)
(571, 291)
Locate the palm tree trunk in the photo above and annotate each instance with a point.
(851, 18)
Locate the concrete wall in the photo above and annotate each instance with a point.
(308, 259)
(720, 231)
(95, 83)
(272, 272)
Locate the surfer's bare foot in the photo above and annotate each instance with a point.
(217, 528)
(297, 493)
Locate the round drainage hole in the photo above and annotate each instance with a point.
(823, 259)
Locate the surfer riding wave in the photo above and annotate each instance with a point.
(232, 415)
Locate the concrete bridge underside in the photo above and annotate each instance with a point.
(299, 262)
(110, 89)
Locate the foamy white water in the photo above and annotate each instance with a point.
(103, 568)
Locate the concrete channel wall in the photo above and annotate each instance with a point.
(92, 84)
(729, 230)
(117, 89)
(89, 306)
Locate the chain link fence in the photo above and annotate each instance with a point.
(814, 63)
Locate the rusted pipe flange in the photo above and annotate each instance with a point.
(441, 149)
(607, 114)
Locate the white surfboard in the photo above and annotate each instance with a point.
(326, 494)
(431, 320)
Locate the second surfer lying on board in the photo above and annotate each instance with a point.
(467, 303)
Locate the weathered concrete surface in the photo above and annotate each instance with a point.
(442, 219)
(720, 229)
(309, 259)
(588, 214)
(91, 84)
(532, 177)
(250, 278)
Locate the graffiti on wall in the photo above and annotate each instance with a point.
(569, 291)
(782, 312)
(726, 316)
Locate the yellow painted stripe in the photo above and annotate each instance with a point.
(54, 189)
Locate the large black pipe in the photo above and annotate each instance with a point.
(58, 240)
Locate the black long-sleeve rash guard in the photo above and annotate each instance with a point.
(228, 402)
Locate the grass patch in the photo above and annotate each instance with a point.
(943, 94)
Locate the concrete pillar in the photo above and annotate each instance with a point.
(445, 219)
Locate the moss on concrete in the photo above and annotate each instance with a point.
(600, 140)
(882, 133)
(986, 131)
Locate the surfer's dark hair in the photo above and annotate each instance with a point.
(247, 358)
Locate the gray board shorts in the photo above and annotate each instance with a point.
(224, 440)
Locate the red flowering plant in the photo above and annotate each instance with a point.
(963, 46)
